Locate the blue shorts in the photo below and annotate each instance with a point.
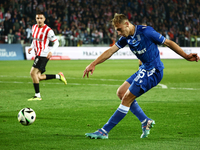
(143, 80)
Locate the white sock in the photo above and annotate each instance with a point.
(37, 94)
(57, 76)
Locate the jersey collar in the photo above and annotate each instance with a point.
(132, 36)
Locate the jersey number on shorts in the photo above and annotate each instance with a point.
(36, 60)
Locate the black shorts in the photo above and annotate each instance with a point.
(40, 63)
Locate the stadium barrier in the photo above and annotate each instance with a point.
(74, 53)
(11, 52)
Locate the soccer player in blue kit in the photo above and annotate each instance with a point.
(142, 41)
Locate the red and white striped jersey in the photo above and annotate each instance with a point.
(41, 37)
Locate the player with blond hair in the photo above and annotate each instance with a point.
(142, 41)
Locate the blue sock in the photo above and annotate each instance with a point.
(137, 111)
(119, 114)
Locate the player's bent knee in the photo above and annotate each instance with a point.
(120, 94)
(32, 74)
(41, 77)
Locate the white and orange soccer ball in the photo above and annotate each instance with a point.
(26, 116)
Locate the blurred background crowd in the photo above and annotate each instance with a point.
(82, 22)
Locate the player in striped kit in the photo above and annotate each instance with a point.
(42, 34)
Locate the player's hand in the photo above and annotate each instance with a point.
(49, 55)
(29, 50)
(88, 69)
(193, 57)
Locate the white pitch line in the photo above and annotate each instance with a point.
(58, 83)
(184, 88)
(159, 85)
(163, 86)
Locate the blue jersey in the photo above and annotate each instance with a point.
(144, 45)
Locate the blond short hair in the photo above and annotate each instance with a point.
(118, 19)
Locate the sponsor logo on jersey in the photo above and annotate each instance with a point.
(140, 51)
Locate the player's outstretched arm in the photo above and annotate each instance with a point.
(104, 56)
(172, 45)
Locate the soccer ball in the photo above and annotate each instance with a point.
(26, 116)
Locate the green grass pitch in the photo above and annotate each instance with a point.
(84, 105)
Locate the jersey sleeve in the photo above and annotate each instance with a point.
(154, 36)
(121, 42)
(51, 36)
